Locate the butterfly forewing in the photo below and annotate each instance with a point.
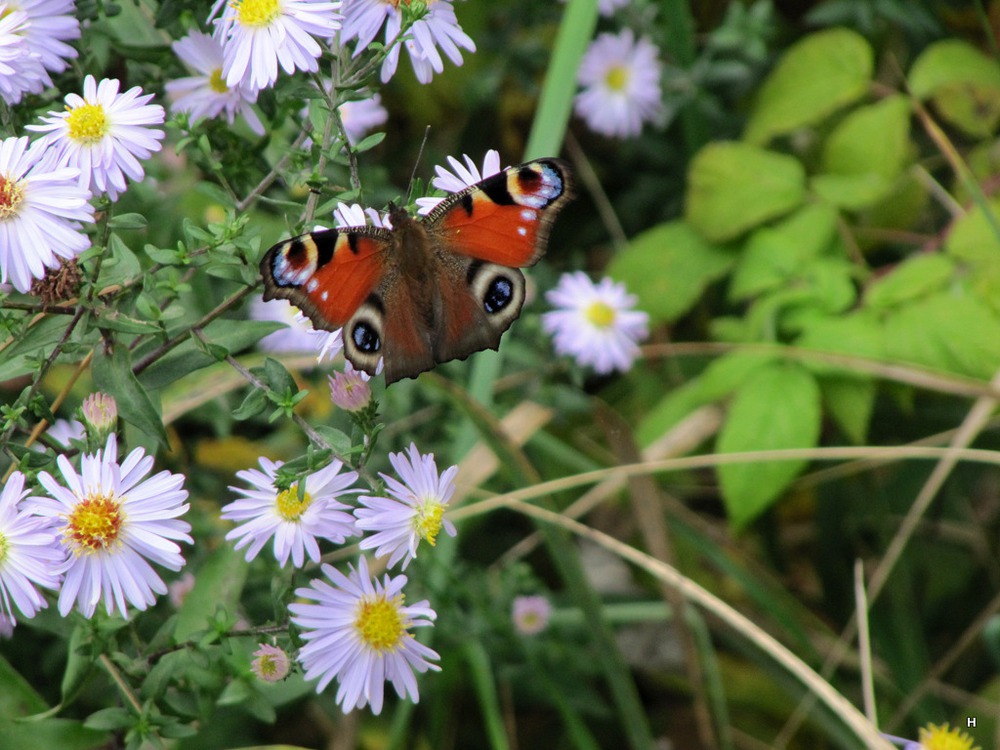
(506, 218)
(327, 274)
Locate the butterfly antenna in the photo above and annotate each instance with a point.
(413, 174)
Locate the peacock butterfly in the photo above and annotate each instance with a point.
(428, 290)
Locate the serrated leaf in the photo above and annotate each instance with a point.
(963, 83)
(915, 277)
(815, 77)
(733, 187)
(112, 373)
(773, 255)
(668, 268)
(777, 408)
(874, 139)
(946, 331)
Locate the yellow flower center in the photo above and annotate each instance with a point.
(11, 197)
(617, 78)
(88, 123)
(600, 314)
(4, 548)
(257, 13)
(379, 623)
(95, 524)
(217, 83)
(943, 738)
(427, 522)
(290, 507)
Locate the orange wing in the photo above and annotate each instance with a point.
(327, 274)
(506, 218)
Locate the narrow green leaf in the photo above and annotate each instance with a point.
(777, 408)
(128, 221)
(733, 187)
(112, 373)
(816, 77)
(219, 584)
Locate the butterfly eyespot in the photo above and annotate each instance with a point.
(498, 295)
(366, 338)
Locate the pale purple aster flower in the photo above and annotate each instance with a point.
(295, 520)
(112, 522)
(104, 134)
(298, 337)
(100, 415)
(595, 323)
(21, 69)
(29, 554)
(271, 663)
(41, 210)
(51, 23)
(357, 631)
(437, 28)
(259, 35)
(531, 614)
(207, 94)
(349, 389)
(414, 512)
(463, 176)
(362, 115)
(65, 431)
(620, 76)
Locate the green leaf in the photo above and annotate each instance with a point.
(733, 187)
(963, 83)
(959, 334)
(65, 734)
(874, 139)
(773, 255)
(112, 373)
(668, 268)
(115, 320)
(816, 77)
(127, 221)
(915, 277)
(858, 333)
(110, 719)
(777, 408)
(255, 403)
(122, 265)
(974, 236)
(850, 191)
(79, 663)
(219, 584)
(17, 696)
(850, 401)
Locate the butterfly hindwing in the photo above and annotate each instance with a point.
(506, 218)
(327, 274)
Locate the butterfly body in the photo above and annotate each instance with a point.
(428, 290)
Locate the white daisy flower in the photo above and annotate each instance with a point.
(437, 28)
(258, 35)
(463, 176)
(595, 323)
(621, 85)
(29, 554)
(415, 511)
(51, 23)
(41, 210)
(207, 95)
(362, 115)
(294, 519)
(21, 69)
(112, 522)
(357, 631)
(103, 134)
